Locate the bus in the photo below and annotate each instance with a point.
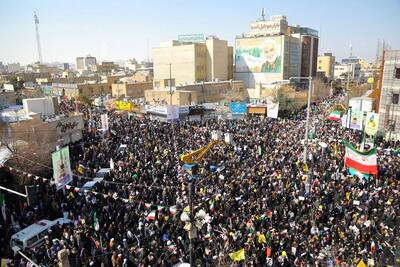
(34, 234)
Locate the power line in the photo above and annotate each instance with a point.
(104, 181)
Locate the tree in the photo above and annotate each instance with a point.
(320, 89)
(31, 144)
(18, 84)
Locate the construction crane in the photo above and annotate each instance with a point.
(194, 157)
(38, 37)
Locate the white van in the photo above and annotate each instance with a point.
(34, 234)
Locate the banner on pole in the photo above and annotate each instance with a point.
(62, 173)
(104, 122)
(371, 123)
(356, 120)
(272, 110)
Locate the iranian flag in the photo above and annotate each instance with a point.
(173, 210)
(363, 162)
(335, 115)
(151, 216)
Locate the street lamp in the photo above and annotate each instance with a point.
(308, 113)
(170, 85)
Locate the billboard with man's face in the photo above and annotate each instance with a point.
(261, 55)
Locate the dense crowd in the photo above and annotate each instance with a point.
(254, 193)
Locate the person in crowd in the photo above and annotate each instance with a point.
(256, 193)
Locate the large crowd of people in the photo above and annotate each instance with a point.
(255, 193)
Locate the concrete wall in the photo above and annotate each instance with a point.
(195, 93)
(182, 60)
(44, 105)
(217, 59)
(7, 99)
(134, 90)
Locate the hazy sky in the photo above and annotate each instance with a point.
(122, 29)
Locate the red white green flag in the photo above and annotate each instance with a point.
(151, 216)
(173, 210)
(364, 162)
(335, 115)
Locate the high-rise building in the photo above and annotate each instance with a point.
(273, 51)
(85, 63)
(13, 67)
(326, 65)
(191, 62)
(66, 66)
(80, 63)
(342, 70)
(309, 49)
(389, 103)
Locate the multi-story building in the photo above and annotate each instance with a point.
(85, 63)
(309, 49)
(13, 67)
(133, 90)
(7, 98)
(273, 51)
(193, 94)
(342, 70)
(389, 105)
(78, 90)
(104, 67)
(326, 65)
(191, 62)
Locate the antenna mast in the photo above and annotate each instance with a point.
(263, 14)
(38, 37)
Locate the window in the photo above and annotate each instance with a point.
(31, 241)
(397, 72)
(42, 234)
(395, 99)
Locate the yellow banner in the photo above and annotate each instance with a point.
(371, 80)
(121, 105)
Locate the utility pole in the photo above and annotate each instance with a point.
(348, 68)
(28, 259)
(38, 37)
(191, 221)
(308, 118)
(170, 85)
(12, 191)
(348, 77)
(308, 104)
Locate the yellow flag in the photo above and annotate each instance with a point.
(361, 264)
(81, 170)
(262, 239)
(237, 255)
(305, 168)
(334, 149)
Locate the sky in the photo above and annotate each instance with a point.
(124, 29)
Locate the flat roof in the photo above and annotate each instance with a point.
(33, 229)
